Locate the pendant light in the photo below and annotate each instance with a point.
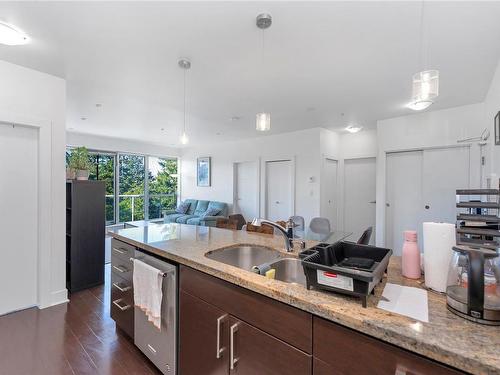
(263, 119)
(425, 87)
(184, 64)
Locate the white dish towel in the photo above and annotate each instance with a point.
(148, 291)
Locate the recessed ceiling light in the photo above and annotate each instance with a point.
(84, 118)
(10, 35)
(419, 105)
(353, 128)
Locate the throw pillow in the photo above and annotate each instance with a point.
(211, 211)
(182, 208)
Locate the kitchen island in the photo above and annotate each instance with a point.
(446, 339)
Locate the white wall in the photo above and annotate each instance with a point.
(103, 143)
(491, 108)
(303, 146)
(39, 98)
(422, 130)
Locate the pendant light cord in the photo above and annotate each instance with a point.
(421, 60)
(184, 101)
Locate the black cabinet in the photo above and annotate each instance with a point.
(85, 231)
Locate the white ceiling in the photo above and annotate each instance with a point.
(322, 60)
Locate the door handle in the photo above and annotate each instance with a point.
(232, 358)
(427, 206)
(220, 320)
(388, 205)
(372, 202)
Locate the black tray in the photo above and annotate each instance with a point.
(345, 267)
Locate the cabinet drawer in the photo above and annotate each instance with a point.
(121, 267)
(122, 305)
(278, 319)
(121, 249)
(350, 352)
(322, 368)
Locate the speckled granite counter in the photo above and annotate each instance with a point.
(446, 338)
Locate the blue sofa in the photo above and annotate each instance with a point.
(195, 211)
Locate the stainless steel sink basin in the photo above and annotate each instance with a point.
(244, 256)
(289, 270)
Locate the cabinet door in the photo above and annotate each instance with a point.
(252, 351)
(203, 338)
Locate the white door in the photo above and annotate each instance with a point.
(19, 217)
(421, 187)
(279, 187)
(246, 185)
(330, 192)
(404, 197)
(445, 171)
(359, 196)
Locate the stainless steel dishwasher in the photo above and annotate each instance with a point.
(160, 346)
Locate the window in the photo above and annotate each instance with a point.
(138, 197)
(131, 182)
(162, 184)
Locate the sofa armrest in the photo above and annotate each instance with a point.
(169, 212)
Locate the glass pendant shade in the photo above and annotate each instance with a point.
(184, 138)
(425, 89)
(263, 122)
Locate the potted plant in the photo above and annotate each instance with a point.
(79, 161)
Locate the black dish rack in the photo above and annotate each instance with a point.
(345, 267)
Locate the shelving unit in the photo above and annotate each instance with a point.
(85, 230)
(478, 217)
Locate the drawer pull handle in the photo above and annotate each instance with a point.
(220, 320)
(121, 289)
(232, 359)
(121, 269)
(151, 349)
(119, 251)
(122, 308)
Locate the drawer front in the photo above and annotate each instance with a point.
(122, 268)
(278, 319)
(350, 352)
(122, 304)
(121, 249)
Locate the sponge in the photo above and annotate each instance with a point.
(271, 273)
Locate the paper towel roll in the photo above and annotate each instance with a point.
(439, 238)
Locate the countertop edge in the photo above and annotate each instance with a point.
(393, 337)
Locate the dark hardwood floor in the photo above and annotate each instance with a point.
(75, 338)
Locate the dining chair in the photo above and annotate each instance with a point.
(320, 225)
(365, 237)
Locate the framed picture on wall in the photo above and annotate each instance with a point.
(203, 171)
(497, 129)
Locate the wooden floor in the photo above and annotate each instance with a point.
(75, 338)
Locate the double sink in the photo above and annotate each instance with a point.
(245, 257)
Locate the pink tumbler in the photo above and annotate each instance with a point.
(411, 255)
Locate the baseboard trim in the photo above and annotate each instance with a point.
(57, 297)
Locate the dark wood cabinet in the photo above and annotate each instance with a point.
(199, 326)
(215, 340)
(352, 353)
(256, 352)
(122, 288)
(85, 226)
(323, 368)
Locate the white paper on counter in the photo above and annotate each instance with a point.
(405, 300)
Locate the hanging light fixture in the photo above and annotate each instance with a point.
(263, 119)
(184, 64)
(425, 87)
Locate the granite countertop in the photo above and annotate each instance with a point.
(447, 338)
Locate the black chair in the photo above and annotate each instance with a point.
(365, 237)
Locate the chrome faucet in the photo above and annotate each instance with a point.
(257, 222)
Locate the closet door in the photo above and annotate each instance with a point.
(444, 171)
(404, 197)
